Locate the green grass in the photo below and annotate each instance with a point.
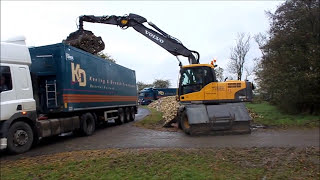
(227, 163)
(152, 121)
(271, 116)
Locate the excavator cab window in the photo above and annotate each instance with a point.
(194, 79)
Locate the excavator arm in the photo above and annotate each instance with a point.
(171, 44)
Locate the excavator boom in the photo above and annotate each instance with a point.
(171, 44)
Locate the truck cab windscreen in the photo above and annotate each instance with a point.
(141, 95)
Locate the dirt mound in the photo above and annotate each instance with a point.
(169, 107)
(86, 41)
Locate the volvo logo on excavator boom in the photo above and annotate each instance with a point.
(154, 36)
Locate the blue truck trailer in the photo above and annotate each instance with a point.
(70, 80)
(147, 95)
(61, 89)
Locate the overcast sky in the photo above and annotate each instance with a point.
(209, 27)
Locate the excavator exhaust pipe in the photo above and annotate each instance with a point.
(85, 40)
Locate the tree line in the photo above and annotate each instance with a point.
(288, 73)
(158, 83)
(289, 69)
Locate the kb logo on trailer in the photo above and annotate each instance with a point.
(78, 75)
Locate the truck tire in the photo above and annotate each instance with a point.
(20, 138)
(132, 114)
(128, 114)
(88, 124)
(184, 122)
(121, 116)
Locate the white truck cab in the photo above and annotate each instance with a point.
(18, 107)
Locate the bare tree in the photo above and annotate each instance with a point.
(238, 55)
(261, 40)
(219, 74)
(160, 83)
(249, 71)
(141, 85)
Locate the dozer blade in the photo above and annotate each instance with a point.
(230, 118)
(86, 41)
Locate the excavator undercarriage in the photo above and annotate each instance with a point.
(220, 119)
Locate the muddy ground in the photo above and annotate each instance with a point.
(130, 136)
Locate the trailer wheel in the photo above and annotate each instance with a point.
(20, 137)
(128, 114)
(121, 116)
(184, 122)
(88, 124)
(132, 114)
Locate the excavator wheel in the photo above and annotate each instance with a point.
(86, 41)
(184, 123)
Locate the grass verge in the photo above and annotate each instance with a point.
(269, 115)
(153, 121)
(224, 163)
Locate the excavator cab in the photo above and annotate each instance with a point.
(198, 83)
(194, 78)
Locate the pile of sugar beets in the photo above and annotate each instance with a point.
(86, 41)
(169, 107)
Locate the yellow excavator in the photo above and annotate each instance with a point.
(206, 105)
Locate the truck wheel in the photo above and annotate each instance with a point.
(132, 114)
(184, 122)
(20, 137)
(121, 116)
(128, 114)
(88, 124)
